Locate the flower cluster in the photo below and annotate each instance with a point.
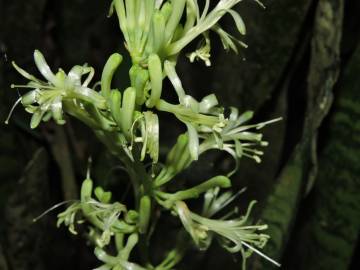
(46, 99)
(154, 26)
(126, 121)
(234, 235)
(102, 215)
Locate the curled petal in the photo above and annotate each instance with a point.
(25, 73)
(152, 135)
(45, 69)
(193, 141)
(207, 103)
(240, 25)
(57, 112)
(174, 78)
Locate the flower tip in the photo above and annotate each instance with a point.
(260, 4)
(12, 85)
(264, 143)
(12, 110)
(257, 159)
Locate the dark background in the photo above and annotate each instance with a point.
(303, 63)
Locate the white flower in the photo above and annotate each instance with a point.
(235, 235)
(47, 97)
(154, 27)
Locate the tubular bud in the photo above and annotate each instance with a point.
(156, 78)
(102, 196)
(127, 110)
(173, 22)
(131, 20)
(138, 78)
(108, 72)
(194, 192)
(115, 106)
(159, 31)
(130, 244)
(166, 10)
(86, 190)
(120, 11)
(131, 217)
(177, 151)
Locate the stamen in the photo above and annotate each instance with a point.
(232, 212)
(230, 200)
(53, 208)
(19, 86)
(261, 254)
(12, 110)
(261, 125)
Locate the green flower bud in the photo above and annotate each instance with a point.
(156, 78)
(144, 214)
(108, 72)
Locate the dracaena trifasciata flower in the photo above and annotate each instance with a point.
(47, 98)
(154, 27)
(234, 235)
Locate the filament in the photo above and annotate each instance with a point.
(53, 208)
(261, 254)
(12, 110)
